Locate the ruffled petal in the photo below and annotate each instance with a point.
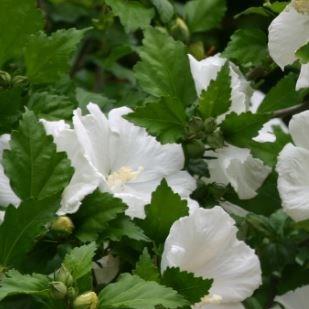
(299, 128)
(298, 299)
(287, 33)
(132, 146)
(293, 181)
(205, 243)
(303, 79)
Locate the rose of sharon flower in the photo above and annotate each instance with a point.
(205, 244)
(118, 157)
(288, 32)
(298, 299)
(293, 169)
(234, 165)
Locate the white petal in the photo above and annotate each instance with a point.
(132, 146)
(205, 243)
(266, 133)
(299, 128)
(182, 183)
(2, 214)
(236, 166)
(256, 100)
(298, 299)
(303, 79)
(287, 33)
(219, 306)
(293, 181)
(106, 269)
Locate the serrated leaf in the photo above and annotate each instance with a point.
(58, 49)
(247, 47)
(21, 226)
(133, 292)
(282, 95)
(165, 118)
(18, 19)
(132, 14)
(165, 9)
(165, 208)
(51, 106)
(240, 129)
(79, 260)
(164, 69)
(216, 100)
(204, 15)
(303, 53)
(15, 283)
(187, 284)
(35, 168)
(145, 267)
(97, 211)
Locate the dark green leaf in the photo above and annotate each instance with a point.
(165, 9)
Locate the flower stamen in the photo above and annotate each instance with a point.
(301, 6)
(122, 176)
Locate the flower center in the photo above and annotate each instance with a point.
(122, 176)
(211, 299)
(301, 6)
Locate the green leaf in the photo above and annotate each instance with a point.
(165, 118)
(240, 129)
(247, 47)
(146, 269)
(165, 9)
(57, 49)
(97, 211)
(216, 100)
(185, 283)
(18, 19)
(132, 14)
(282, 95)
(165, 208)
(303, 53)
(16, 283)
(303, 225)
(11, 103)
(79, 260)
(51, 106)
(21, 226)
(35, 168)
(136, 293)
(204, 15)
(164, 69)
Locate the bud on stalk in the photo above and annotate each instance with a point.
(88, 300)
(63, 224)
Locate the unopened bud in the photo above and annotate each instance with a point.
(63, 275)
(197, 50)
(5, 78)
(215, 140)
(20, 80)
(88, 300)
(180, 30)
(63, 224)
(71, 293)
(58, 290)
(195, 149)
(210, 125)
(301, 6)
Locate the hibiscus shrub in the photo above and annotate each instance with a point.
(154, 154)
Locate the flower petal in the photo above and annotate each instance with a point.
(298, 299)
(219, 306)
(205, 243)
(287, 33)
(293, 181)
(106, 269)
(299, 128)
(303, 79)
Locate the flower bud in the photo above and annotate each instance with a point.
(197, 50)
(88, 300)
(58, 290)
(215, 140)
(20, 80)
(210, 125)
(63, 224)
(71, 293)
(195, 149)
(5, 78)
(63, 275)
(180, 30)
(301, 6)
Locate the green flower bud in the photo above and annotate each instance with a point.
(63, 275)
(20, 80)
(210, 125)
(88, 300)
(197, 50)
(180, 30)
(63, 224)
(5, 78)
(195, 149)
(71, 293)
(215, 140)
(58, 290)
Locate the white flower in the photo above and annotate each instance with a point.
(106, 269)
(287, 33)
(117, 157)
(233, 165)
(205, 244)
(293, 169)
(7, 195)
(298, 299)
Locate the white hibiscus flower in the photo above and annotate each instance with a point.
(298, 299)
(205, 244)
(118, 157)
(287, 33)
(234, 165)
(293, 169)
